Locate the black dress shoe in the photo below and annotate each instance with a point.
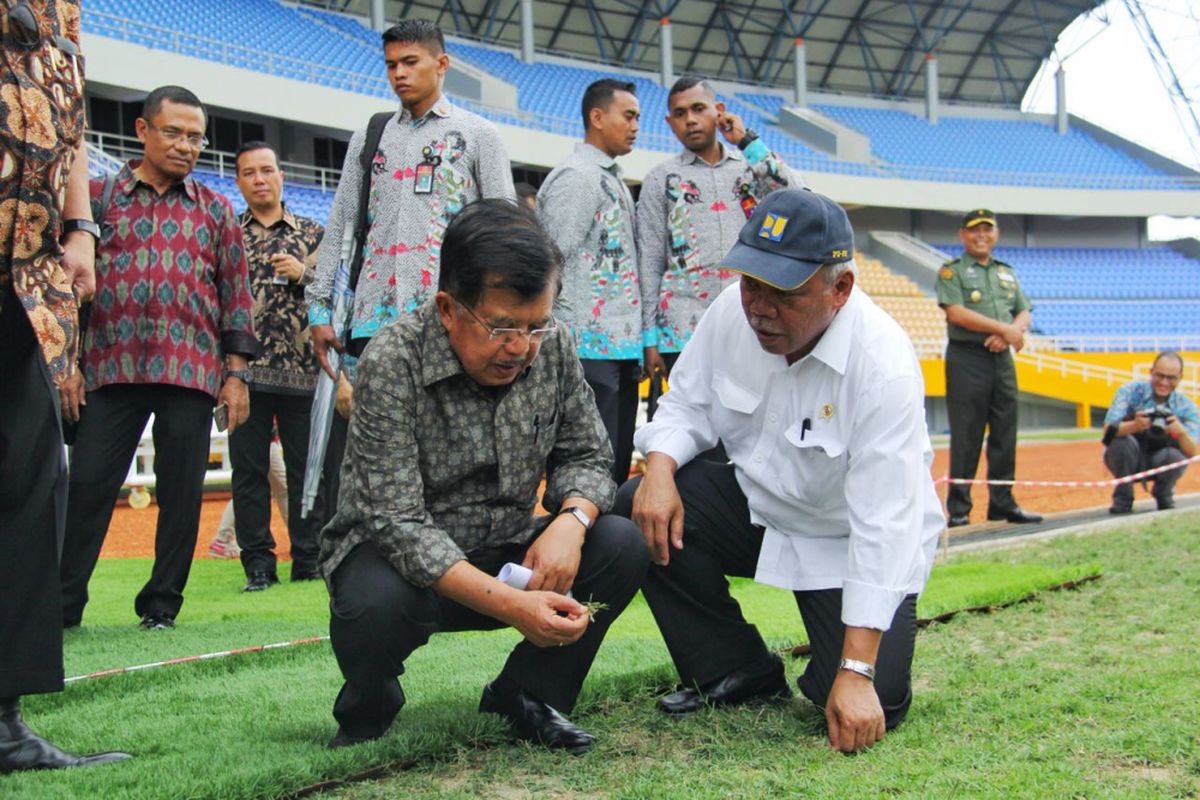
(154, 621)
(1015, 514)
(1165, 503)
(760, 682)
(305, 575)
(958, 520)
(257, 581)
(533, 720)
(21, 748)
(1116, 509)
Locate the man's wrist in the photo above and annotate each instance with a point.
(72, 226)
(580, 516)
(858, 668)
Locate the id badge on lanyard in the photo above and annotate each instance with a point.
(423, 181)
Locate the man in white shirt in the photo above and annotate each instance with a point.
(819, 400)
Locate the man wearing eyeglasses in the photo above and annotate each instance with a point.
(170, 333)
(1150, 424)
(459, 409)
(47, 247)
(819, 400)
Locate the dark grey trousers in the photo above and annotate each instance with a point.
(1127, 455)
(981, 391)
(615, 385)
(705, 631)
(377, 619)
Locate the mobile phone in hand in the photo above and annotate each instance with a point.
(221, 416)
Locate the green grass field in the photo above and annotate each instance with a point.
(1084, 693)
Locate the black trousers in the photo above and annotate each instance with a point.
(109, 430)
(33, 495)
(981, 390)
(1126, 455)
(331, 473)
(377, 619)
(615, 385)
(702, 624)
(250, 453)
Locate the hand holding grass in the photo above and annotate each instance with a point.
(539, 616)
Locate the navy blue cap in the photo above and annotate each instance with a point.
(791, 234)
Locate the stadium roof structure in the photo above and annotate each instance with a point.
(988, 51)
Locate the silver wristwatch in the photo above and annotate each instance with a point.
(858, 667)
(579, 514)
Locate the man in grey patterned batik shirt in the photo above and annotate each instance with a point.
(432, 159)
(588, 209)
(690, 211)
(460, 408)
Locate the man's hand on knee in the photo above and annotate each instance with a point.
(853, 713)
(554, 556)
(658, 508)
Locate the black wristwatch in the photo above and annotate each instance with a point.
(242, 375)
(69, 226)
(750, 138)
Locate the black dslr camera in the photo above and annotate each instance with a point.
(1159, 416)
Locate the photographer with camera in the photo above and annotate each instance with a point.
(1150, 425)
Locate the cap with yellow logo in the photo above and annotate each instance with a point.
(791, 234)
(978, 217)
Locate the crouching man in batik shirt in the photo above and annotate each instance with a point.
(459, 409)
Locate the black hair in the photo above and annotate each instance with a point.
(497, 244)
(1170, 354)
(254, 144)
(176, 94)
(420, 31)
(599, 94)
(524, 190)
(690, 82)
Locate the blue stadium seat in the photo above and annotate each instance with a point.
(1109, 291)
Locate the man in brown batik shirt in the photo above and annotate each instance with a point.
(281, 251)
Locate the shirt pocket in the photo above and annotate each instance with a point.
(733, 398)
(815, 473)
(974, 291)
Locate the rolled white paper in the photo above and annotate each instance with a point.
(515, 575)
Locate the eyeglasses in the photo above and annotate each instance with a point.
(1158, 376)
(171, 136)
(507, 336)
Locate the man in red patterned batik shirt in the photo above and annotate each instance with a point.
(170, 332)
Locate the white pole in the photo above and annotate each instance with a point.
(801, 88)
(931, 88)
(664, 49)
(1060, 99)
(527, 31)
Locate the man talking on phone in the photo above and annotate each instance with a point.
(170, 333)
(690, 211)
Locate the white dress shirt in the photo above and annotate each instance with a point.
(832, 451)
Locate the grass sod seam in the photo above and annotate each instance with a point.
(637, 667)
(386, 770)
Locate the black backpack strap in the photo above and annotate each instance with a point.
(366, 160)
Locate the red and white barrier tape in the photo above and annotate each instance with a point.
(1137, 476)
(204, 657)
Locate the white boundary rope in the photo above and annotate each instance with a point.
(1137, 476)
(204, 657)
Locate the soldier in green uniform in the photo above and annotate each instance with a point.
(986, 315)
